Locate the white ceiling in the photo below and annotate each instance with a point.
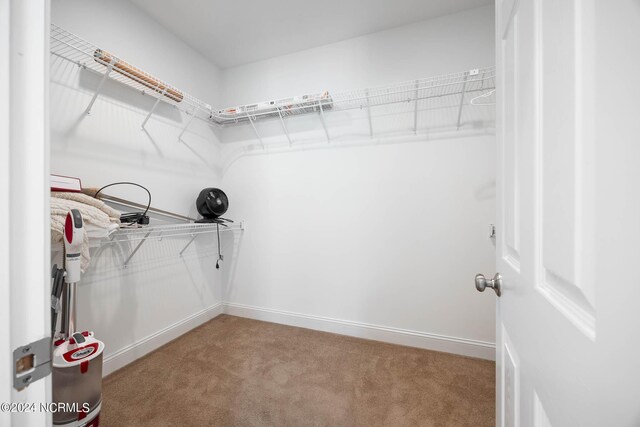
(235, 32)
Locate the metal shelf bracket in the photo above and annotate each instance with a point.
(256, 131)
(284, 127)
(99, 88)
(184, 129)
(144, 239)
(193, 237)
(369, 114)
(324, 123)
(155, 105)
(464, 91)
(415, 109)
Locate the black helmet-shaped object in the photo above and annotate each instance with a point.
(212, 203)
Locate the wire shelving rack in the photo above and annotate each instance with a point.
(133, 234)
(459, 87)
(75, 49)
(139, 235)
(468, 89)
(133, 237)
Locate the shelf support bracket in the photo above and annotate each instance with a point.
(284, 127)
(136, 249)
(99, 88)
(464, 91)
(324, 124)
(155, 105)
(193, 237)
(184, 129)
(255, 130)
(369, 114)
(415, 110)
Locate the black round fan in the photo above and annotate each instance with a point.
(212, 203)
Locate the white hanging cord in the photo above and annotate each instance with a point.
(484, 95)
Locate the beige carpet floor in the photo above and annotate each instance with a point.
(233, 371)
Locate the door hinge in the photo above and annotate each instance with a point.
(31, 362)
(492, 231)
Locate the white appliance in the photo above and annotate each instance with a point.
(77, 356)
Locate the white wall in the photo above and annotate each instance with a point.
(381, 240)
(158, 290)
(448, 44)
(386, 235)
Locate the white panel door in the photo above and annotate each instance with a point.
(568, 320)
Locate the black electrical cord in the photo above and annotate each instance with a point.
(219, 254)
(134, 217)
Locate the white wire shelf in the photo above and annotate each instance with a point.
(461, 85)
(128, 235)
(452, 92)
(132, 234)
(276, 108)
(75, 49)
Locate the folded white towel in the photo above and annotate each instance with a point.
(94, 216)
(113, 214)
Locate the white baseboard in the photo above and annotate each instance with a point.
(138, 349)
(462, 346)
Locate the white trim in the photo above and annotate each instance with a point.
(444, 343)
(26, 276)
(6, 354)
(425, 340)
(134, 351)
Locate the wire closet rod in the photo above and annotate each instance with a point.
(135, 205)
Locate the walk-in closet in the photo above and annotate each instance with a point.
(336, 213)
